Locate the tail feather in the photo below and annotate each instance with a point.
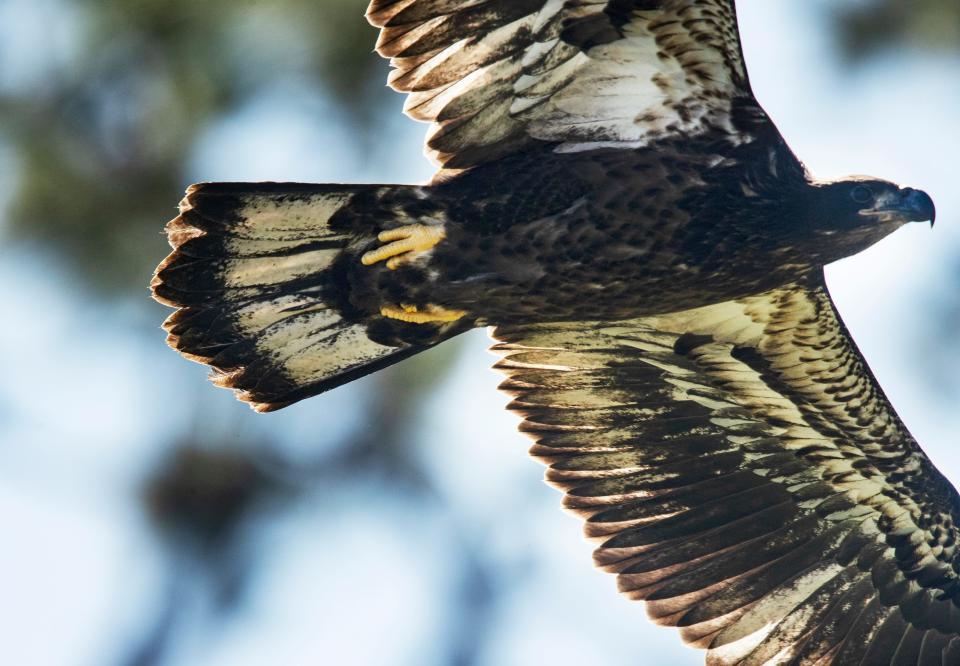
(253, 275)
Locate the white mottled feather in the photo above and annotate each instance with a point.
(282, 219)
(517, 74)
(789, 391)
(250, 272)
(254, 271)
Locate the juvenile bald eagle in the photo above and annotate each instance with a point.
(614, 200)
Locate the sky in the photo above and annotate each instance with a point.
(359, 573)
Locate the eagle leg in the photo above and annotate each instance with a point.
(413, 314)
(401, 246)
(404, 244)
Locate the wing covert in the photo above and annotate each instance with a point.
(744, 474)
(497, 76)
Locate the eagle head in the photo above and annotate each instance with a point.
(852, 214)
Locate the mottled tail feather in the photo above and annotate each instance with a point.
(254, 276)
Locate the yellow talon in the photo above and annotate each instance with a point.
(404, 244)
(414, 315)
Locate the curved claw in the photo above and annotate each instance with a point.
(415, 315)
(404, 244)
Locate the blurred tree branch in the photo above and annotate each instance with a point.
(868, 27)
(102, 146)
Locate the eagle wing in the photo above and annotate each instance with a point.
(745, 475)
(495, 76)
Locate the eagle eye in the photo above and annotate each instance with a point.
(861, 194)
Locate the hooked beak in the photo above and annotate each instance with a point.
(912, 206)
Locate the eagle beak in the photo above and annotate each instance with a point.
(916, 206)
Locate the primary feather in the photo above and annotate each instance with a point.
(497, 77)
(615, 201)
(745, 475)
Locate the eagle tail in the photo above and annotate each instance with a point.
(260, 274)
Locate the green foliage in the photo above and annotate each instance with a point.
(102, 144)
(867, 28)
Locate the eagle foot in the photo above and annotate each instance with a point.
(413, 314)
(404, 244)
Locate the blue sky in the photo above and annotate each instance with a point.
(361, 575)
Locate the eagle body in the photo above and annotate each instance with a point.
(610, 234)
(615, 202)
(606, 234)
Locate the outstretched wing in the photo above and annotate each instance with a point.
(745, 475)
(495, 76)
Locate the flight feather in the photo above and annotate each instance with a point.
(743, 472)
(495, 78)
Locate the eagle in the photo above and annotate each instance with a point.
(613, 200)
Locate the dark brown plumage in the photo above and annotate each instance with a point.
(740, 469)
(615, 201)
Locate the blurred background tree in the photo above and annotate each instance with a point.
(104, 138)
(103, 132)
(869, 27)
(106, 107)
